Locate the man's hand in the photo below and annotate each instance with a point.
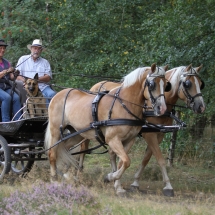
(16, 72)
(11, 69)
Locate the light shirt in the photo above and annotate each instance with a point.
(28, 68)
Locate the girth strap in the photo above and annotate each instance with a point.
(99, 135)
(114, 122)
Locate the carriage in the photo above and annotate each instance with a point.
(22, 141)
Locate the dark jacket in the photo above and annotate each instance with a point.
(4, 81)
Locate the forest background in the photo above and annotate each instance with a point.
(108, 39)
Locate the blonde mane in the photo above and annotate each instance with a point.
(177, 76)
(137, 74)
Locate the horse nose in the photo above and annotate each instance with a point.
(160, 109)
(202, 109)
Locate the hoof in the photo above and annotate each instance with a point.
(106, 180)
(168, 192)
(134, 188)
(121, 192)
(54, 179)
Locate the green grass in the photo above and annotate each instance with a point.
(193, 184)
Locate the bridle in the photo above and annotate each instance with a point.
(186, 85)
(150, 83)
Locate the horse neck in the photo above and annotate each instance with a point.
(133, 93)
(173, 76)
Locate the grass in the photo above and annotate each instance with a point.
(193, 184)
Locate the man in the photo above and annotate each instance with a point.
(29, 65)
(6, 97)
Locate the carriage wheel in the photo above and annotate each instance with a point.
(23, 167)
(5, 157)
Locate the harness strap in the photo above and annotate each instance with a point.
(166, 114)
(98, 133)
(89, 151)
(115, 96)
(123, 105)
(112, 122)
(101, 86)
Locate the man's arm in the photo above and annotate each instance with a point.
(45, 78)
(20, 78)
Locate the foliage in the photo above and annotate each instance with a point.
(108, 39)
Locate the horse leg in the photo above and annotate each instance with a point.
(153, 148)
(84, 146)
(146, 158)
(79, 157)
(53, 167)
(117, 184)
(112, 157)
(116, 145)
(51, 138)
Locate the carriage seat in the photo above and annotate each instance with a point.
(21, 91)
(32, 107)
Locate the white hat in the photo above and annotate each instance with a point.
(36, 42)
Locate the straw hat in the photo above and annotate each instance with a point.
(2, 43)
(36, 42)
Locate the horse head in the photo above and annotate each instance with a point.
(157, 85)
(190, 86)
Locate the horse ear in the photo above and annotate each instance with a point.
(153, 67)
(198, 68)
(166, 67)
(36, 76)
(189, 67)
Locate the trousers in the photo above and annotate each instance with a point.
(48, 92)
(6, 101)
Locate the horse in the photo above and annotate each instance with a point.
(186, 85)
(118, 117)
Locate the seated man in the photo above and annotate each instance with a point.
(29, 65)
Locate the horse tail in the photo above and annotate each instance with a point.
(63, 155)
(47, 137)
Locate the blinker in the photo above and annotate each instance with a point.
(187, 84)
(151, 85)
(202, 85)
(168, 86)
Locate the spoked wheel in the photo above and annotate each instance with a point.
(24, 165)
(5, 157)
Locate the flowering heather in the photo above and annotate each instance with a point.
(46, 198)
